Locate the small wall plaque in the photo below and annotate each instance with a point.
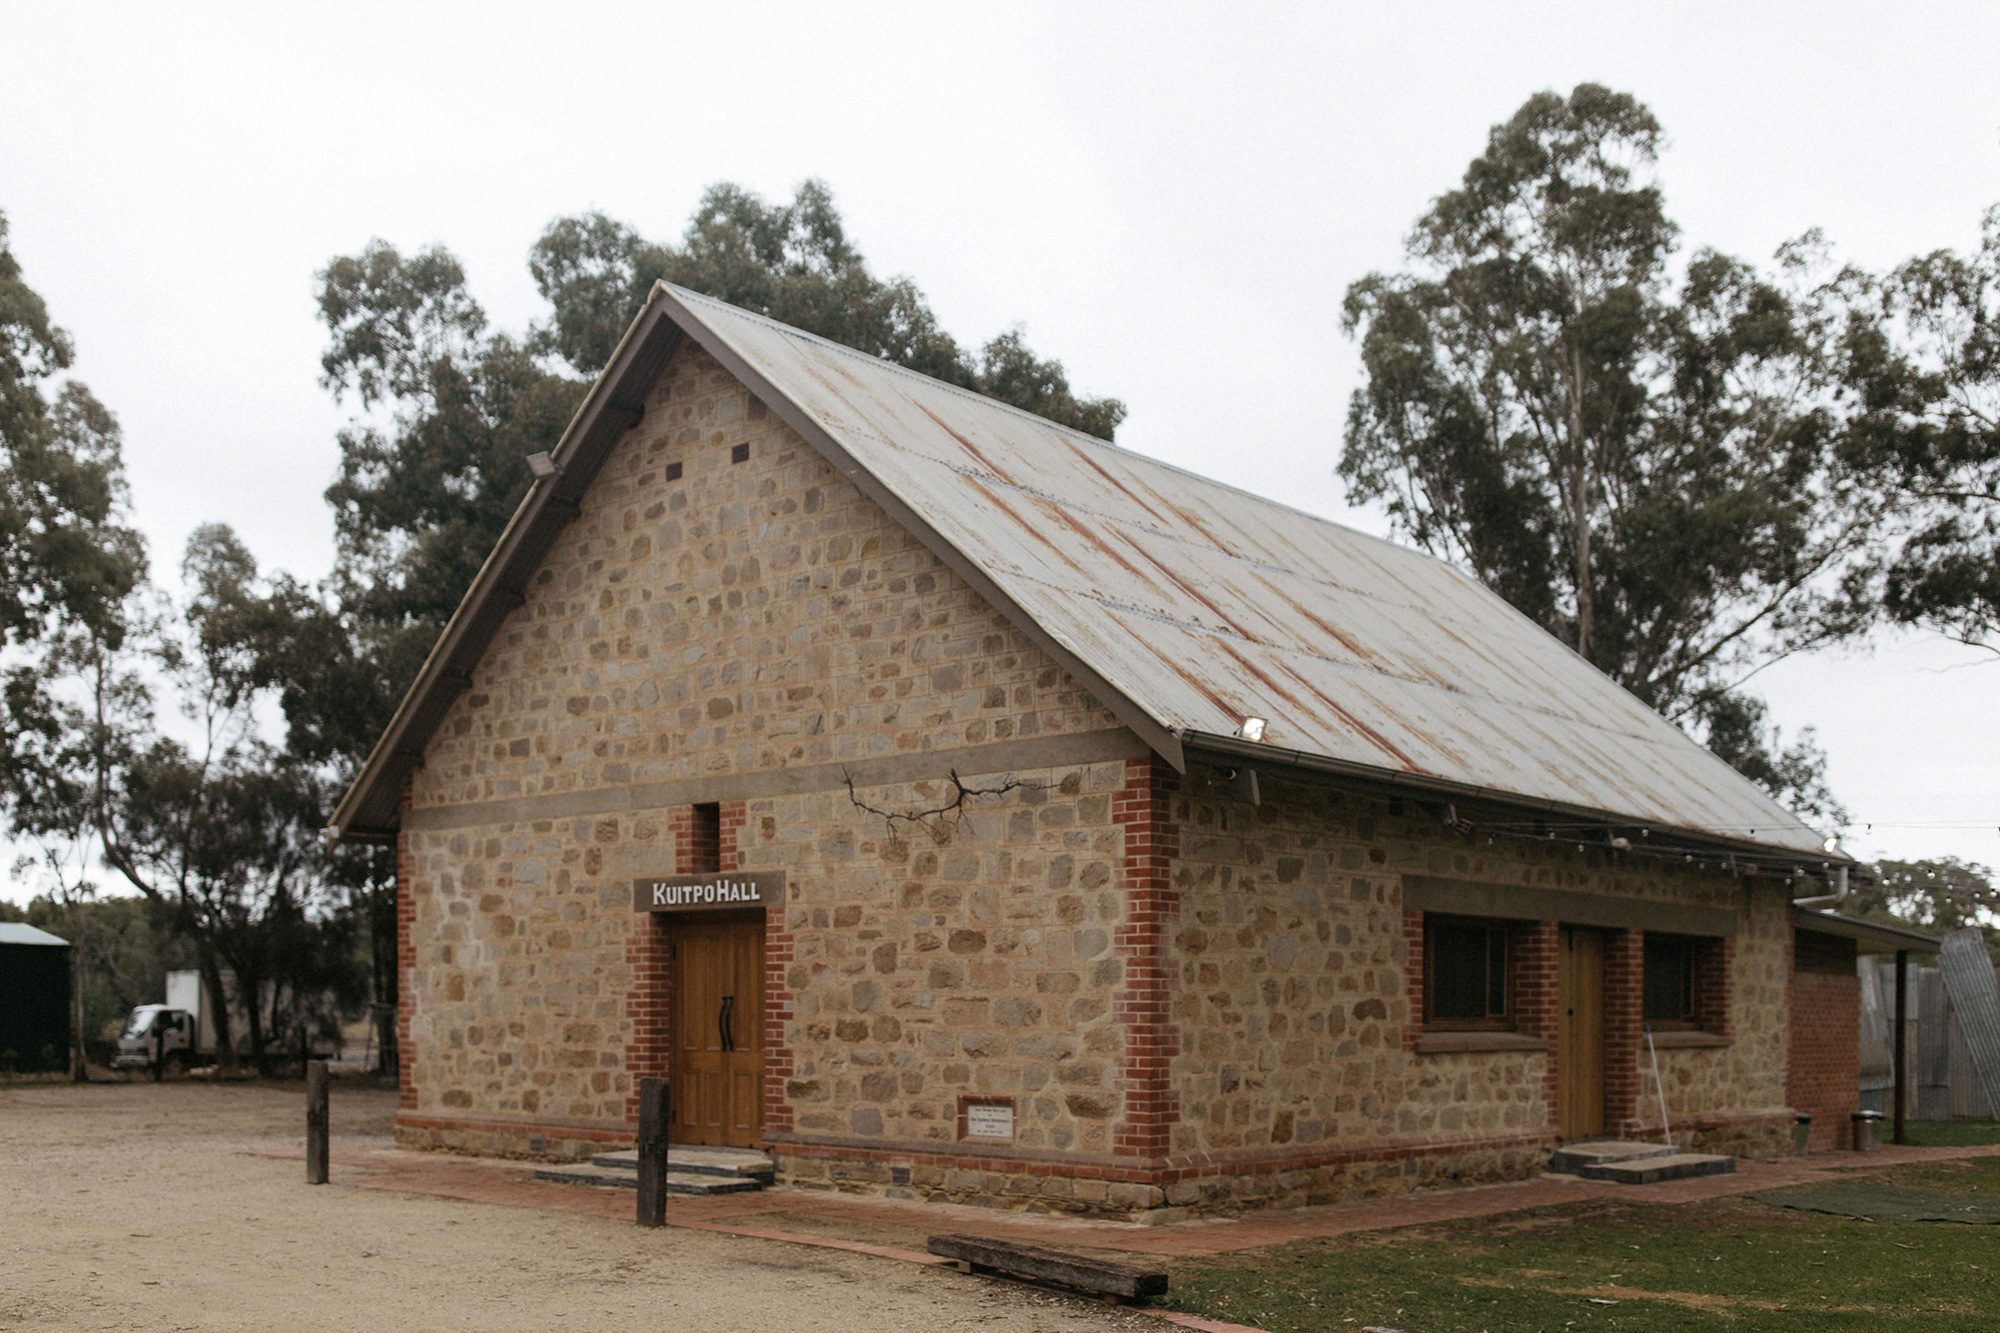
(986, 1118)
(708, 893)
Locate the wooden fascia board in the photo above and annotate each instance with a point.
(1160, 738)
(374, 798)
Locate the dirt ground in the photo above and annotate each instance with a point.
(136, 1206)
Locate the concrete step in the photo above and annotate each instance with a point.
(732, 1163)
(1650, 1170)
(1572, 1159)
(678, 1181)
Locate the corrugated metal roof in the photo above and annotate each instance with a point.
(16, 932)
(1203, 604)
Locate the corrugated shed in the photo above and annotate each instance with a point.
(1203, 604)
(17, 932)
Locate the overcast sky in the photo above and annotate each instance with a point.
(1171, 198)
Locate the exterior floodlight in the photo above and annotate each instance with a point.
(1252, 729)
(1830, 844)
(543, 467)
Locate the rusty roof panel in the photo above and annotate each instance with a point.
(1204, 604)
(1207, 605)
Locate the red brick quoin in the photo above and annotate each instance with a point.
(1624, 1024)
(1143, 810)
(406, 960)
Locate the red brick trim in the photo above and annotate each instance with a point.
(1715, 986)
(735, 815)
(649, 953)
(1537, 954)
(1624, 1007)
(780, 1062)
(648, 1005)
(1413, 976)
(1143, 811)
(406, 958)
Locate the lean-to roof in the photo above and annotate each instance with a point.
(1188, 605)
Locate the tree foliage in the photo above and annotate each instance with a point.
(1936, 896)
(794, 263)
(1926, 368)
(65, 558)
(1643, 461)
(435, 464)
(68, 561)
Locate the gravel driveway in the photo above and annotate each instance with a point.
(139, 1207)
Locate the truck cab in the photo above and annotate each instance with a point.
(157, 1032)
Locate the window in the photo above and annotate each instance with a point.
(1669, 996)
(1465, 975)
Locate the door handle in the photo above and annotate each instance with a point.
(722, 1023)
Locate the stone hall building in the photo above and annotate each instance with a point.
(960, 807)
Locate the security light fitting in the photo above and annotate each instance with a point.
(542, 466)
(1252, 729)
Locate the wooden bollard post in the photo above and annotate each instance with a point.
(316, 1122)
(652, 1152)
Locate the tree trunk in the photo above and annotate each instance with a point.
(1579, 507)
(79, 1049)
(252, 989)
(218, 1001)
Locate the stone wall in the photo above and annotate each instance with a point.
(758, 630)
(1298, 1001)
(1192, 1002)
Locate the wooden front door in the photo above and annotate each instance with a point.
(1580, 1034)
(718, 1090)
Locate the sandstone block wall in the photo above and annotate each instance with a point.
(711, 621)
(1192, 1002)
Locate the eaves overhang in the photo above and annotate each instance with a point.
(1484, 810)
(370, 810)
(1871, 936)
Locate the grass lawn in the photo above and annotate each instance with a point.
(1947, 1133)
(1609, 1264)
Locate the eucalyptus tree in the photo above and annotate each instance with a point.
(1926, 367)
(1644, 458)
(433, 463)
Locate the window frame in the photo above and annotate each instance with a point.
(1506, 1021)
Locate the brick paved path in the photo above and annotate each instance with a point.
(839, 1220)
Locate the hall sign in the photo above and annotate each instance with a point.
(706, 893)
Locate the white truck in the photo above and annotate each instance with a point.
(176, 1035)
